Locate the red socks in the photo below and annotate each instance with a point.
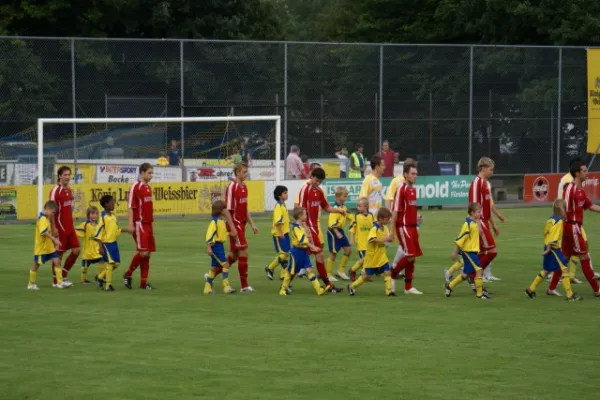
(69, 264)
(243, 270)
(322, 272)
(555, 279)
(135, 262)
(486, 259)
(408, 275)
(402, 264)
(144, 270)
(588, 272)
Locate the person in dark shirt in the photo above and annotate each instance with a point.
(173, 154)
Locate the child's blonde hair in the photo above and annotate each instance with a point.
(485, 162)
(383, 213)
(558, 207)
(340, 190)
(364, 201)
(91, 210)
(473, 207)
(297, 213)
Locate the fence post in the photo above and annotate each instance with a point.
(181, 104)
(471, 112)
(285, 104)
(558, 123)
(380, 105)
(74, 109)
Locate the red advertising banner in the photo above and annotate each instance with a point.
(544, 187)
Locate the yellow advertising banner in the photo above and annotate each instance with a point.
(85, 173)
(332, 170)
(593, 87)
(177, 199)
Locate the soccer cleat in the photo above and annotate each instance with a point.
(575, 297)
(301, 273)
(335, 290)
(332, 278)
(530, 294)
(493, 278)
(109, 288)
(283, 292)
(597, 276)
(597, 294)
(269, 273)
(486, 280)
(247, 289)
(85, 282)
(64, 285)
(447, 275)
(208, 289)
(55, 285)
(412, 290)
(553, 293)
(289, 290)
(66, 279)
(549, 276)
(447, 291)
(321, 291)
(342, 275)
(576, 281)
(33, 287)
(400, 276)
(126, 281)
(391, 294)
(67, 283)
(484, 297)
(352, 275)
(351, 290)
(148, 287)
(229, 290)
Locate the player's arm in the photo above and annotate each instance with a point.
(251, 222)
(333, 224)
(463, 236)
(211, 234)
(395, 208)
(497, 213)
(352, 231)
(229, 219)
(45, 230)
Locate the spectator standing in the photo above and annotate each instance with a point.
(236, 157)
(173, 154)
(293, 164)
(390, 157)
(245, 153)
(342, 155)
(357, 162)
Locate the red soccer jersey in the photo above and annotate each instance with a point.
(140, 201)
(63, 219)
(312, 200)
(577, 201)
(236, 198)
(405, 205)
(479, 192)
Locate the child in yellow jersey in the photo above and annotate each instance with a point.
(91, 246)
(107, 234)
(467, 243)
(554, 259)
(299, 257)
(336, 238)
(376, 261)
(281, 233)
(361, 226)
(44, 248)
(216, 236)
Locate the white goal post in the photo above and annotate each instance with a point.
(50, 121)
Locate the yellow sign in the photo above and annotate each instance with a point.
(181, 199)
(85, 173)
(332, 170)
(593, 87)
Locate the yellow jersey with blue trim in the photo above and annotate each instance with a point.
(376, 252)
(217, 231)
(42, 244)
(281, 218)
(338, 220)
(553, 231)
(108, 230)
(299, 238)
(390, 193)
(564, 181)
(371, 189)
(468, 237)
(91, 247)
(360, 228)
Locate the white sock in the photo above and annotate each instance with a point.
(488, 271)
(398, 256)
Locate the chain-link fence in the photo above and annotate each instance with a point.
(524, 106)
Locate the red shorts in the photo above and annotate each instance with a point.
(68, 241)
(486, 238)
(144, 237)
(238, 243)
(317, 240)
(408, 237)
(574, 242)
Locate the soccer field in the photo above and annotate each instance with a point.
(175, 343)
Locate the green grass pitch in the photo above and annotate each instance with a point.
(175, 343)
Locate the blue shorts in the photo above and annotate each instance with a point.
(87, 263)
(472, 263)
(377, 271)
(282, 245)
(111, 253)
(362, 254)
(43, 258)
(299, 259)
(555, 261)
(336, 244)
(218, 258)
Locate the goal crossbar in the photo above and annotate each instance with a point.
(43, 121)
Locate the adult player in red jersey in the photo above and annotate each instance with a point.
(312, 199)
(480, 193)
(574, 240)
(236, 198)
(63, 226)
(141, 217)
(405, 218)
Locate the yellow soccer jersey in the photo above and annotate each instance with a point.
(391, 190)
(108, 230)
(371, 189)
(281, 218)
(360, 228)
(338, 220)
(468, 237)
(42, 243)
(376, 252)
(299, 238)
(565, 180)
(553, 232)
(91, 247)
(216, 232)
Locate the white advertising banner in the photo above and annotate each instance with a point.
(129, 174)
(293, 190)
(6, 174)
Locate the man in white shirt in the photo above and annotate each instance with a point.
(343, 157)
(293, 164)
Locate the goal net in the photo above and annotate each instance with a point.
(193, 158)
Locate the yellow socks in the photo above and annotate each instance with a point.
(330, 266)
(359, 282)
(572, 267)
(566, 282)
(84, 276)
(209, 282)
(101, 268)
(108, 273)
(539, 279)
(357, 265)
(226, 284)
(58, 273)
(32, 277)
(479, 286)
(458, 279)
(315, 282)
(388, 284)
(343, 264)
(274, 264)
(456, 267)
